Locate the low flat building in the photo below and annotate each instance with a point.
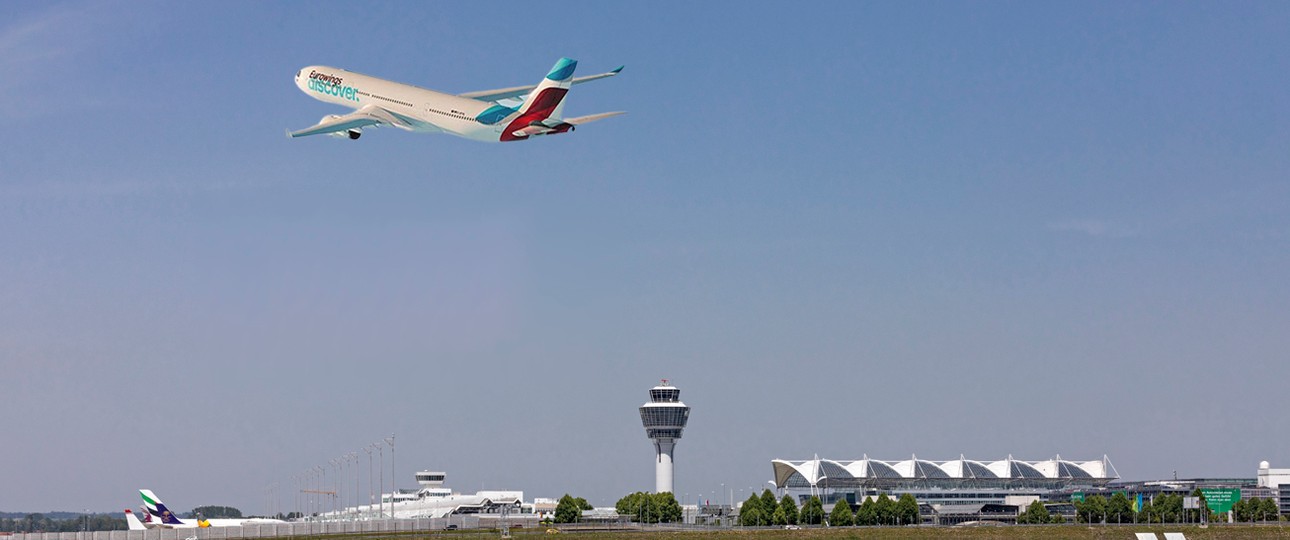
(959, 514)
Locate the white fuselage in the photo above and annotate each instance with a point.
(194, 523)
(420, 109)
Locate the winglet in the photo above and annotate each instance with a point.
(618, 69)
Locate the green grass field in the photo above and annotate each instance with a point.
(1075, 532)
(974, 533)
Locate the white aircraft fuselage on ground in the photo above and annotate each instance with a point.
(157, 516)
(479, 116)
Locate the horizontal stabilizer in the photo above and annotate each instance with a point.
(593, 117)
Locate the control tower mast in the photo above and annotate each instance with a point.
(664, 418)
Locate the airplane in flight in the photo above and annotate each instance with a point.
(504, 114)
(156, 515)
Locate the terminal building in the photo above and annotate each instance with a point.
(872, 475)
(432, 500)
(948, 492)
(997, 491)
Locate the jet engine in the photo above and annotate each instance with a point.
(351, 134)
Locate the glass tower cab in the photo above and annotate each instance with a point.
(664, 418)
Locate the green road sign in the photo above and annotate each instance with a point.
(1220, 500)
(1077, 496)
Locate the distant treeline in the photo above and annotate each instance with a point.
(50, 515)
(60, 522)
(214, 512)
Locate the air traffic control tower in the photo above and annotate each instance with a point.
(664, 418)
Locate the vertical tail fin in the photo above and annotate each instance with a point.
(547, 100)
(132, 521)
(158, 509)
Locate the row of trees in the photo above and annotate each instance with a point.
(650, 507)
(42, 523)
(879, 511)
(1256, 509)
(764, 510)
(569, 509)
(215, 512)
(1098, 509)
(1167, 508)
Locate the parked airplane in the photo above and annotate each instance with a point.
(156, 515)
(487, 115)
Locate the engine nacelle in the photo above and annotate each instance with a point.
(350, 134)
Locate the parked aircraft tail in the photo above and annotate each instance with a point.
(132, 521)
(157, 509)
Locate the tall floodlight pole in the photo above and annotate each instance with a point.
(368, 449)
(664, 417)
(340, 485)
(344, 479)
(394, 481)
(319, 505)
(381, 451)
(313, 495)
(336, 483)
(305, 480)
(304, 497)
(353, 456)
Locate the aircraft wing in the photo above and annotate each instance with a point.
(517, 91)
(369, 115)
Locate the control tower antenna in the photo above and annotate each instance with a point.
(664, 417)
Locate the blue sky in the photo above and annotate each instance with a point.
(841, 229)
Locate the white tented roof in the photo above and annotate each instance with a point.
(820, 472)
